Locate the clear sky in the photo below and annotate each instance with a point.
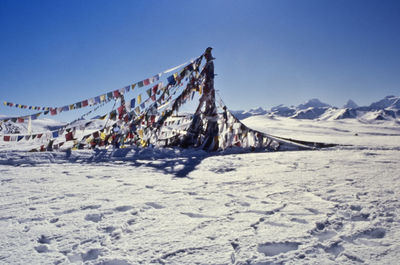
(54, 53)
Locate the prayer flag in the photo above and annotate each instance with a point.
(20, 120)
(149, 92)
(171, 80)
(132, 103)
(97, 99)
(146, 82)
(140, 84)
(116, 94)
(139, 99)
(110, 95)
(103, 98)
(155, 89)
(133, 86)
(20, 137)
(120, 110)
(85, 103)
(55, 134)
(113, 115)
(78, 105)
(127, 89)
(6, 138)
(69, 136)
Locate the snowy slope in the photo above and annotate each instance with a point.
(171, 206)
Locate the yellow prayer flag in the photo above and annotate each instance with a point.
(102, 136)
(141, 133)
(102, 98)
(139, 99)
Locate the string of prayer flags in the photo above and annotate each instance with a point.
(104, 97)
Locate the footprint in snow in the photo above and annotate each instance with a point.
(114, 262)
(43, 239)
(95, 217)
(334, 249)
(42, 249)
(123, 208)
(273, 249)
(91, 207)
(154, 205)
(372, 233)
(91, 254)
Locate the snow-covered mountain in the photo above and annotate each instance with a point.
(313, 103)
(350, 104)
(385, 109)
(241, 114)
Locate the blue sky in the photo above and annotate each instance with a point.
(54, 53)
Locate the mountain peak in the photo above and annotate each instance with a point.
(387, 102)
(350, 104)
(315, 103)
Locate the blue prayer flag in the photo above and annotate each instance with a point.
(171, 80)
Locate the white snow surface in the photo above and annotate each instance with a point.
(170, 206)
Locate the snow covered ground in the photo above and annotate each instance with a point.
(333, 206)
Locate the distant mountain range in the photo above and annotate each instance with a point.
(384, 109)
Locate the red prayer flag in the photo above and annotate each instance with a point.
(84, 103)
(155, 89)
(6, 138)
(69, 136)
(116, 93)
(146, 82)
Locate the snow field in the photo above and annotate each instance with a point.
(333, 206)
